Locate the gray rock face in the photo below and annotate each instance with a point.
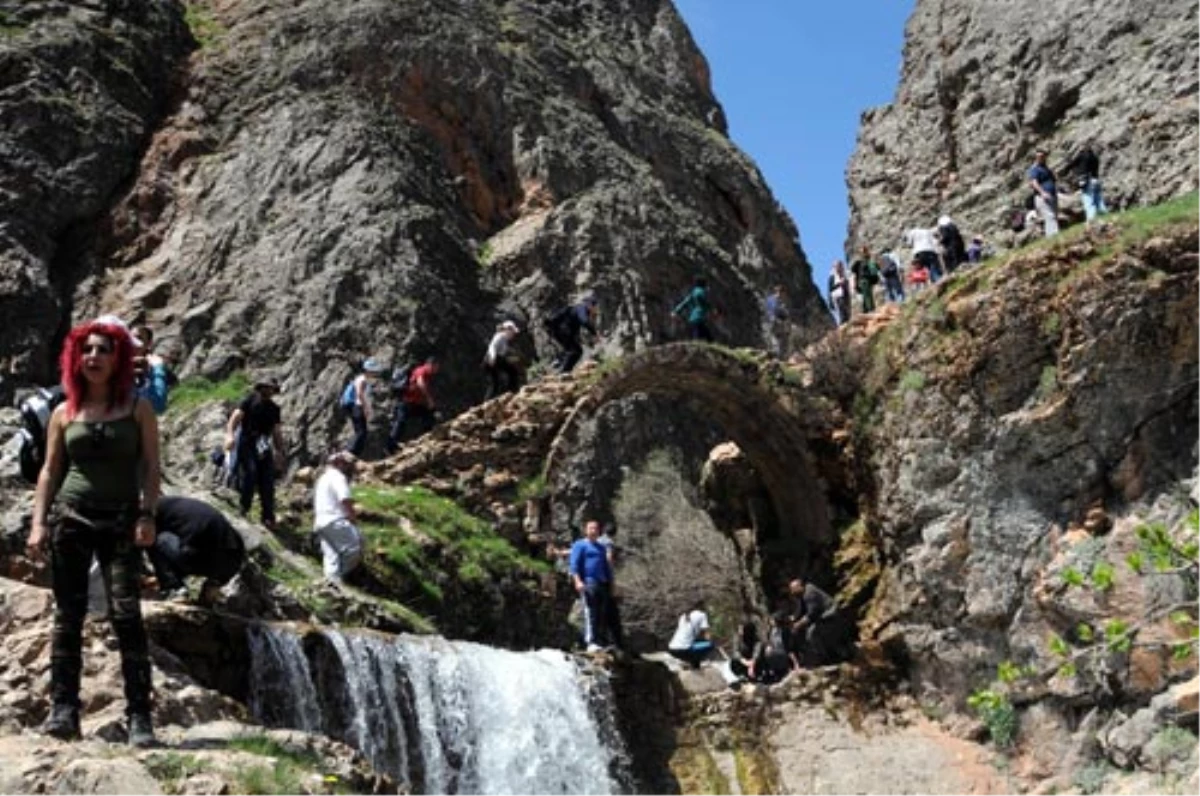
(391, 179)
(81, 88)
(983, 84)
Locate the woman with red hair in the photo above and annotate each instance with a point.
(102, 476)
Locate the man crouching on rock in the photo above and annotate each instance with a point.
(333, 518)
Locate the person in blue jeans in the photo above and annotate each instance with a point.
(1086, 167)
(592, 576)
(691, 643)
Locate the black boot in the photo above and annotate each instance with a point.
(141, 731)
(63, 722)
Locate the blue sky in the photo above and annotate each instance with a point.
(793, 77)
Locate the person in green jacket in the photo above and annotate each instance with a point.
(866, 276)
(695, 308)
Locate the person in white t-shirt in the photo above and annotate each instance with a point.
(691, 643)
(925, 250)
(333, 518)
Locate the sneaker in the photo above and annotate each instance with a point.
(141, 731)
(63, 723)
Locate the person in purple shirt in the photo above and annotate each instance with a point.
(591, 573)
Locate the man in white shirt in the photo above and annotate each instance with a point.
(691, 643)
(333, 518)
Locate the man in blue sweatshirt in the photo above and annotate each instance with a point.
(591, 573)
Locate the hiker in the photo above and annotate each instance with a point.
(762, 659)
(1086, 168)
(102, 475)
(150, 370)
(413, 390)
(839, 293)
(356, 400)
(893, 284)
(925, 250)
(254, 434)
(918, 276)
(194, 539)
(810, 608)
(866, 276)
(499, 361)
(608, 541)
(776, 319)
(975, 251)
(694, 308)
(334, 514)
(691, 643)
(954, 251)
(565, 327)
(592, 576)
(1045, 188)
(35, 410)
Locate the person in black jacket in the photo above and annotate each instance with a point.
(565, 327)
(194, 539)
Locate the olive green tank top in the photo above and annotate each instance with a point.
(103, 459)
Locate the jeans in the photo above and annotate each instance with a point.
(932, 263)
(598, 614)
(893, 287)
(358, 419)
(693, 654)
(1093, 199)
(572, 352)
(421, 414)
(257, 474)
(72, 546)
(1049, 213)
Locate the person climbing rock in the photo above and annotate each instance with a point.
(1086, 168)
(925, 250)
(414, 401)
(694, 308)
(102, 476)
(691, 643)
(334, 515)
(866, 277)
(776, 319)
(500, 361)
(954, 250)
(839, 293)
(565, 328)
(254, 434)
(591, 573)
(357, 400)
(810, 608)
(194, 539)
(1045, 188)
(893, 282)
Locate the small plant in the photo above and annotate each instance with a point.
(998, 714)
(485, 254)
(1047, 382)
(1169, 745)
(912, 381)
(1051, 325)
(1090, 778)
(205, 28)
(532, 488)
(171, 768)
(197, 390)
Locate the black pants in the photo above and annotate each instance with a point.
(699, 331)
(173, 561)
(598, 614)
(420, 414)
(358, 419)
(73, 545)
(572, 352)
(257, 474)
(504, 377)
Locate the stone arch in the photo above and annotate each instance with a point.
(749, 396)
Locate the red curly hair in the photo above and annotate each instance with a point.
(69, 364)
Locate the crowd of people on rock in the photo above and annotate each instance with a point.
(939, 250)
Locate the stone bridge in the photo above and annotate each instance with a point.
(503, 459)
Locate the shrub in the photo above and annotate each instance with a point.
(998, 714)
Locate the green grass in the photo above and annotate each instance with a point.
(205, 28)
(263, 746)
(912, 381)
(171, 768)
(1047, 382)
(532, 488)
(454, 539)
(197, 390)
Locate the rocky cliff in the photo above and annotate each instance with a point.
(983, 84)
(327, 181)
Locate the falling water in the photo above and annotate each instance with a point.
(282, 693)
(442, 716)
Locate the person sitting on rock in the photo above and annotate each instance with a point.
(591, 573)
(762, 658)
(334, 514)
(810, 608)
(499, 361)
(565, 327)
(101, 473)
(194, 539)
(691, 643)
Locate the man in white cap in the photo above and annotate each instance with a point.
(334, 514)
(498, 361)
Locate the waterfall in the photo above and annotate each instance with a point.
(443, 716)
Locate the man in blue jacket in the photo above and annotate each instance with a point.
(591, 573)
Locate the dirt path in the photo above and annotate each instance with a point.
(819, 753)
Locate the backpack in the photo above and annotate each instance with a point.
(35, 412)
(400, 381)
(890, 266)
(347, 399)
